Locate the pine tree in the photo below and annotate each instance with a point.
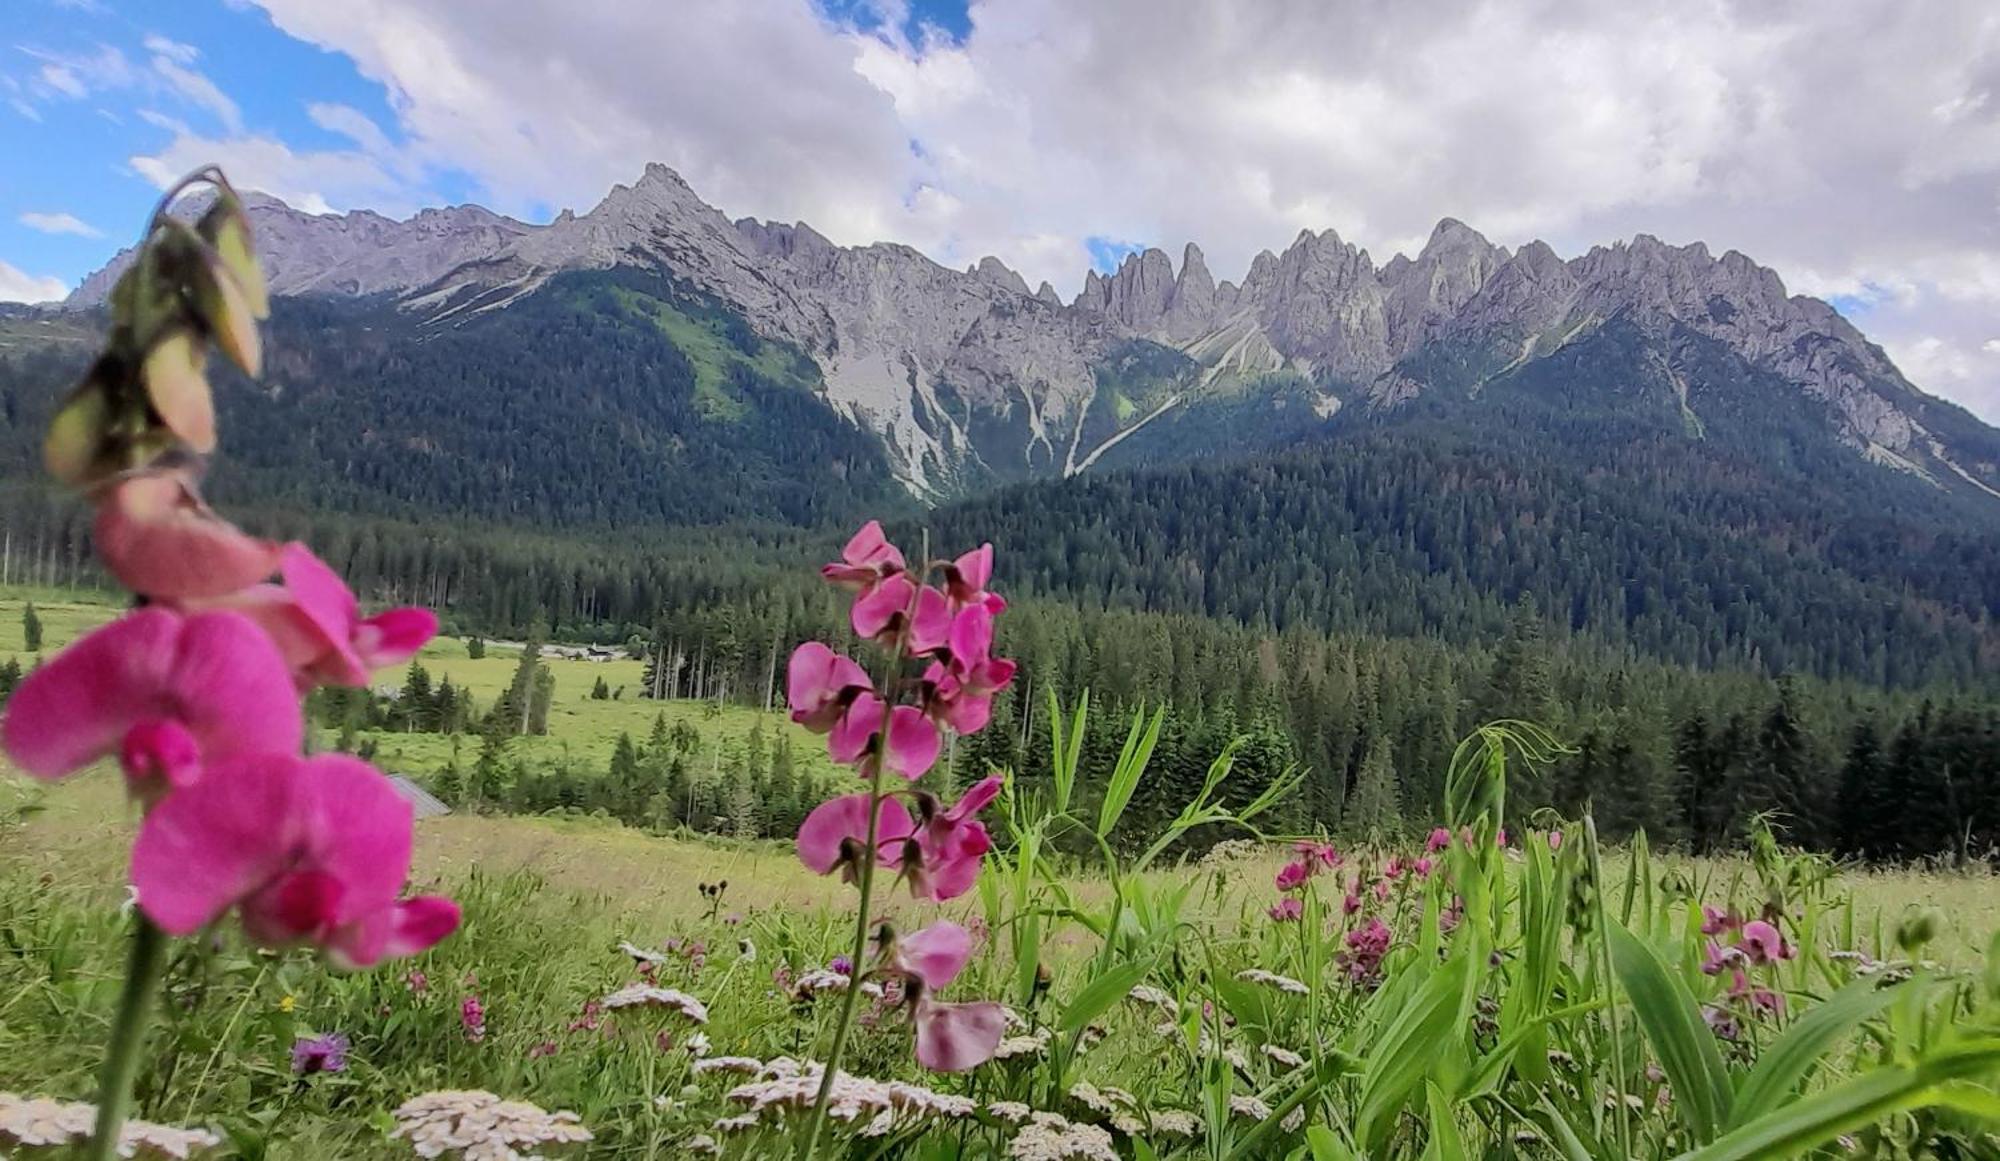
(543, 699)
(1783, 778)
(31, 628)
(475, 647)
(601, 691)
(1375, 811)
(1866, 813)
(416, 706)
(489, 772)
(625, 780)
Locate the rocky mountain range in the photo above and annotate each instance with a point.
(968, 376)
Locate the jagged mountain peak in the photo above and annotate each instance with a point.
(969, 371)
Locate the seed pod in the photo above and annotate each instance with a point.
(220, 301)
(1919, 929)
(73, 450)
(226, 228)
(179, 391)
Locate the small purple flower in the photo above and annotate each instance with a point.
(319, 1054)
(842, 965)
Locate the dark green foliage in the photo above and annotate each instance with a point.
(31, 628)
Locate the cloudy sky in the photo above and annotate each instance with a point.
(1852, 144)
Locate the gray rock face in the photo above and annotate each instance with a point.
(922, 354)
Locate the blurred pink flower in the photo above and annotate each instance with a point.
(1440, 839)
(1292, 876)
(820, 684)
(935, 954)
(1288, 909)
(317, 623)
(1715, 921)
(310, 850)
(955, 1037)
(1422, 867)
(867, 558)
(472, 1017)
(1762, 943)
(159, 539)
(166, 692)
(942, 858)
(1317, 856)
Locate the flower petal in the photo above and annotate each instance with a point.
(877, 608)
(157, 537)
(845, 817)
(913, 742)
(401, 929)
(360, 831)
(393, 636)
(77, 707)
(232, 689)
(955, 1037)
(935, 954)
(206, 847)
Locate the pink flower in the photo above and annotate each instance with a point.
(1718, 957)
(1288, 909)
(1761, 999)
(955, 1037)
(165, 692)
(316, 621)
(867, 559)
(834, 836)
(1422, 867)
(1366, 947)
(1351, 904)
(157, 537)
(899, 608)
(1715, 921)
(1762, 942)
(1555, 840)
(820, 684)
(1292, 876)
(1439, 840)
(935, 954)
(967, 577)
(1317, 855)
(472, 1016)
(1393, 869)
(941, 860)
(856, 738)
(961, 692)
(310, 850)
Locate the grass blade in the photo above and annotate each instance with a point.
(1667, 1012)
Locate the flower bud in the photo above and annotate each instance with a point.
(179, 391)
(1919, 929)
(73, 450)
(226, 229)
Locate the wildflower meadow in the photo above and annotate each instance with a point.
(255, 958)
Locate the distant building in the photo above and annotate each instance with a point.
(423, 802)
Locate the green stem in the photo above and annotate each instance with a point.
(128, 1036)
(859, 956)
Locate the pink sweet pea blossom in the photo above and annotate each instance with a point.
(1715, 921)
(1289, 909)
(1317, 855)
(961, 692)
(1762, 942)
(1422, 867)
(309, 850)
(867, 559)
(900, 611)
(820, 684)
(1439, 840)
(834, 836)
(950, 1037)
(966, 579)
(165, 692)
(912, 743)
(1292, 876)
(316, 621)
(157, 537)
(955, 1037)
(941, 859)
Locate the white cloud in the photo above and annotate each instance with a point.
(18, 286)
(316, 181)
(197, 89)
(64, 80)
(173, 50)
(60, 224)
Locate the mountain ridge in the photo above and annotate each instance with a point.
(967, 376)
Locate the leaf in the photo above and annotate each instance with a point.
(1327, 1147)
(1792, 1056)
(1805, 1125)
(1446, 1144)
(1101, 993)
(221, 304)
(1138, 751)
(1566, 1137)
(1401, 1057)
(1674, 1027)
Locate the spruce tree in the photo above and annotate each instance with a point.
(31, 628)
(1374, 811)
(1866, 812)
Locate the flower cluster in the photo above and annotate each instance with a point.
(1751, 944)
(41, 1123)
(897, 726)
(477, 1124)
(196, 693)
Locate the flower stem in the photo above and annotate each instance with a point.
(128, 1036)
(855, 959)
